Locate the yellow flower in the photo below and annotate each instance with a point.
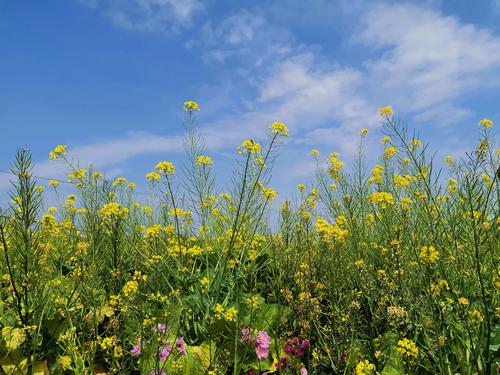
(153, 176)
(112, 211)
(377, 175)
(279, 128)
(363, 132)
(59, 150)
(269, 193)
(219, 310)
(429, 254)
(191, 106)
(204, 282)
(78, 174)
(383, 199)
(165, 167)
(335, 166)
(249, 146)
(315, 153)
(463, 301)
(203, 160)
(386, 139)
(448, 159)
(107, 342)
(486, 123)
(364, 367)
(407, 348)
(301, 187)
(386, 111)
(54, 183)
(119, 181)
(64, 362)
(231, 314)
(390, 152)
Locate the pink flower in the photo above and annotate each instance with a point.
(305, 344)
(261, 352)
(245, 334)
(162, 327)
(303, 371)
(181, 345)
(263, 339)
(165, 352)
(136, 350)
(153, 372)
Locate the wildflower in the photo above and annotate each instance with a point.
(383, 199)
(107, 342)
(165, 352)
(54, 183)
(132, 186)
(269, 193)
(386, 111)
(191, 106)
(119, 181)
(262, 343)
(463, 301)
(136, 350)
(334, 166)
(59, 150)
(154, 372)
(402, 181)
(249, 146)
(364, 367)
(429, 254)
(78, 174)
(363, 132)
(153, 176)
(407, 348)
(377, 175)
(279, 128)
(204, 282)
(315, 153)
(245, 334)
(231, 314)
(301, 187)
(303, 371)
(405, 203)
(113, 211)
(486, 123)
(64, 362)
(165, 167)
(181, 345)
(203, 160)
(219, 310)
(390, 152)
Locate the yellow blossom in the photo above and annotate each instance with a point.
(249, 146)
(203, 160)
(386, 111)
(279, 128)
(486, 123)
(191, 106)
(59, 150)
(165, 167)
(153, 176)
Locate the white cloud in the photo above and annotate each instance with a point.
(148, 15)
(428, 60)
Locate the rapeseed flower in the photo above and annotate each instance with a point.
(386, 111)
(191, 106)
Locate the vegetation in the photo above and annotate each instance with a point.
(393, 271)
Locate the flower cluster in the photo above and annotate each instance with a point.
(165, 167)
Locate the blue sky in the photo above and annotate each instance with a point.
(108, 77)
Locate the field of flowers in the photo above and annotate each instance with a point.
(389, 269)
